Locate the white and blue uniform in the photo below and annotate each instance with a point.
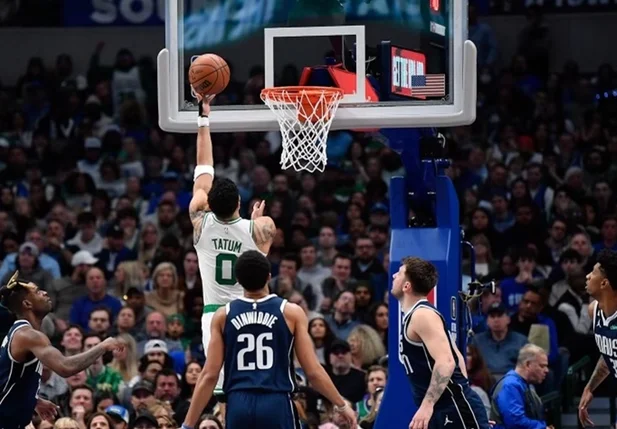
(259, 367)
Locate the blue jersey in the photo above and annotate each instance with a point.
(19, 382)
(605, 333)
(258, 346)
(419, 363)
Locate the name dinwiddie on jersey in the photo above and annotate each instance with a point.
(227, 245)
(254, 318)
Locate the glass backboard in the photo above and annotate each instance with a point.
(401, 63)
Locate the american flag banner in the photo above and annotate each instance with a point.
(431, 85)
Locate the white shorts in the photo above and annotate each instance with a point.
(206, 322)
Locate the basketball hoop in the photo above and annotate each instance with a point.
(304, 114)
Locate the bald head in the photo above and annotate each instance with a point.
(95, 282)
(156, 325)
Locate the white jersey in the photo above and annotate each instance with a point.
(218, 249)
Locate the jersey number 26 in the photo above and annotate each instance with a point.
(256, 354)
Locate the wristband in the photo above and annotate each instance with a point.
(185, 426)
(203, 169)
(338, 409)
(203, 121)
(200, 106)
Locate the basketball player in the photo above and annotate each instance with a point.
(220, 234)
(434, 365)
(602, 286)
(255, 336)
(25, 350)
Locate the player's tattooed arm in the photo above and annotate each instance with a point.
(41, 348)
(264, 230)
(197, 219)
(439, 381)
(428, 326)
(599, 374)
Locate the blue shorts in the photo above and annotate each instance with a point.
(260, 410)
(465, 411)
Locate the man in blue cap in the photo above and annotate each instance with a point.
(119, 415)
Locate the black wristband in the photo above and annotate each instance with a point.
(201, 109)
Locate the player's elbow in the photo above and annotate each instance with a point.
(210, 377)
(445, 364)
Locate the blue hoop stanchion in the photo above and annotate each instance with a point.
(427, 190)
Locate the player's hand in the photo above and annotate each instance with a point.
(46, 410)
(422, 417)
(111, 344)
(258, 210)
(349, 416)
(583, 413)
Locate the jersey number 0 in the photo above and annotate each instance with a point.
(224, 271)
(256, 354)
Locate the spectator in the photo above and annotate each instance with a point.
(156, 329)
(96, 297)
(311, 271)
(165, 296)
(115, 253)
(348, 380)
(515, 404)
(66, 290)
(340, 280)
(528, 315)
(499, 345)
(341, 321)
(36, 245)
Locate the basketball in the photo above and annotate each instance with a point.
(209, 74)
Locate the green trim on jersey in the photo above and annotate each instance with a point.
(251, 229)
(231, 222)
(211, 308)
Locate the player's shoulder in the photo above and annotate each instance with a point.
(293, 312)
(27, 337)
(263, 222)
(426, 316)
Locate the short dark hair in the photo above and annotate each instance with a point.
(526, 254)
(252, 270)
(341, 256)
(570, 255)
(102, 308)
(291, 257)
(421, 274)
(166, 372)
(608, 265)
(223, 198)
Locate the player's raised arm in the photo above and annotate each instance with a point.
(204, 170)
(210, 373)
(427, 324)
(39, 345)
(264, 228)
(315, 373)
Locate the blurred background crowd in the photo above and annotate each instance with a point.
(93, 209)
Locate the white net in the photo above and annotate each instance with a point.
(304, 115)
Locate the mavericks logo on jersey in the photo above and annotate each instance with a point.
(227, 245)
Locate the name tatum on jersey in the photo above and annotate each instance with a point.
(254, 318)
(227, 245)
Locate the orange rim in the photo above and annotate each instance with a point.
(297, 92)
(311, 106)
